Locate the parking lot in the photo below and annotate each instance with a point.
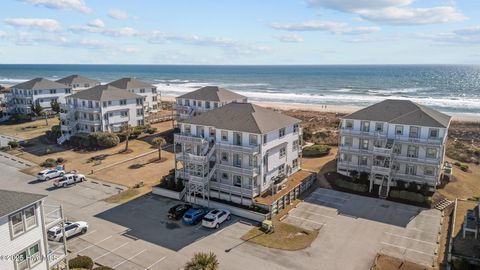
(356, 228)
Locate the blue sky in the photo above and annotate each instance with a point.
(240, 32)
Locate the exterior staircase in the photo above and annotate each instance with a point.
(441, 205)
(61, 139)
(383, 192)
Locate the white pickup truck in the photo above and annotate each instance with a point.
(69, 179)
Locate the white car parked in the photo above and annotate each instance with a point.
(215, 217)
(71, 229)
(69, 179)
(48, 174)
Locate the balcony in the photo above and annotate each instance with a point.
(188, 138)
(187, 157)
(430, 141)
(418, 160)
(351, 166)
(232, 189)
(382, 151)
(417, 178)
(249, 171)
(351, 149)
(374, 134)
(53, 215)
(251, 149)
(195, 179)
(380, 170)
(56, 252)
(89, 121)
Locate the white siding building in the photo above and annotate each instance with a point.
(151, 97)
(393, 141)
(205, 99)
(24, 222)
(103, 108)
(38, 90)
(237, 152)
(78, 83)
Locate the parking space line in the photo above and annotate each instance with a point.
(124, 244)
(161, 259)
(306, 219)
(414, 239)
(93, 244)
(322, 201)
(217, 233)
(405, 248)
(316, 214)
(129, 258)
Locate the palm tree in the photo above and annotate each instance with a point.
(159, 142)
(202, 261)
(127, 130)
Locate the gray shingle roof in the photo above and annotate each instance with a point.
(245, 117)
(130, 83)
(404, 112)
(104, 93)
(39, 83)
(77, 79)
(11, 201)
(213, 93)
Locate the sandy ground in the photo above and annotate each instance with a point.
(464, 184)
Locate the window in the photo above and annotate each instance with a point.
(429, 171)
(379, 127)
(21, 260)
(237, 180)
(295, 128)
(30, 217)
(264, 138)
(224, 135)
(363, 160)
(139, 112)
(104, 104)
(142, 91)
(207, 104)
(412, 151)
(109, 103)
(123, 102)
(295, 163)
(253, 139)
(348, 141)
(365, 126)
(199, 103)
(224, 176)
(283, 152)
(28, 258)
(397, 149)
(414, 132)
(68, 91)
(364, 144)
(237, 160)
(34, 255)
(187, 102)
(225, 156)
(154, 90)
(53, 91)
(188, 129)
(90, 104)
(215, 105)
(295, 145)
(399, 130)
(124, 114)
(431, 153)
(433, 133)
(154, 98)
(410, 169)
(139, 101)
(349, 124)
(281, 132)
(252, 161)
(16, 223)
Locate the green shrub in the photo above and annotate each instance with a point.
(49, 162)
(464, 167)
(54, 133)
(151, 130)
(351, 186)
(456, 163)
(409, 196)
(80, 140)
(13, 144)
(102, 268)
(107, 140)
(60, 160)
(317, 150)
(81, 262)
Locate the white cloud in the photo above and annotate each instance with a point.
(464, 36)
(48, 25)
(97, 23)
(393, 11)
(128, 50)
(329, 26)
(118, 14)
(120, 32)
(78, 5)
(292, 38)
(395, 15)
(353, 5)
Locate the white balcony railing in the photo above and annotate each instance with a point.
(418, 160)
(249, 171)
(382, 150)
(188, 138)
(232, 189)
(198, 179)
(53, 214)
(238, 148)
(380, 169)
(376, 134)
(432, 141)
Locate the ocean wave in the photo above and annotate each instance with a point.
(177, 81)
(12, 81)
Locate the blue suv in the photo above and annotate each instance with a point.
(194, 215)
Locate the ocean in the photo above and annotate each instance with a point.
(448, 88)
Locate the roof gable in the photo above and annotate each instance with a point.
(130, 83)
(213, 93)
(11, 201)
(104, 93)
(76, 79)
(39, 84)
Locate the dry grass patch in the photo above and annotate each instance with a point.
(29, 130)
(464, 185)
(384, 262)
(127, 195)
(285, 237)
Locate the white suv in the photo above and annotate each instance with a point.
(48, 174)
(71, 229)
(215, 217)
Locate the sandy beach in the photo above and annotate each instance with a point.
(331, 109)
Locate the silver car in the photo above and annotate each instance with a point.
(71, 229)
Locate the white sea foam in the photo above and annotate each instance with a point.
(12, 81)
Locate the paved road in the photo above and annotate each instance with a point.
(4, 139)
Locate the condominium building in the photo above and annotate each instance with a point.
(205, 99)
(36, 91)
(151, 97)
(24, 222)
(102, 108)
(393, 141)
(236, 152)
(78, 83)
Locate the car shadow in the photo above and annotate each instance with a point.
(36, 181)
(146, 219)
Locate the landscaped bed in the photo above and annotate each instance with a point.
(285, 237)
